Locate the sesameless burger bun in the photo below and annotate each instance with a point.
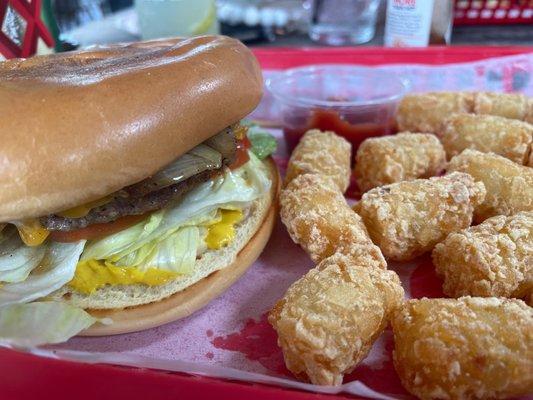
(82, 125)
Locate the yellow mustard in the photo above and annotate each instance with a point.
(222, 233)
(94, 274)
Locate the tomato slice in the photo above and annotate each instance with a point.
(95, 231)
(241, 153)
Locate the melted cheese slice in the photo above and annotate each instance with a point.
(222, 233)
(83, 210)
(31, 232)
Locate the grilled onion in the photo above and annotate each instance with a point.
(224, 142)
(209, 154)
(199, 159)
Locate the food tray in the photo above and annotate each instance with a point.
(25, 376)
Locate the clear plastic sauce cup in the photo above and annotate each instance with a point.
(354, 102)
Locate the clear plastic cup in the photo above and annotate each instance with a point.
(354, 102)
(343, 22)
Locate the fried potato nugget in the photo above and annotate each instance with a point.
(426, 112)
(467, 348)
(509, 185)
(329, 319)
(318, 218)
(407, 219)
(487, 133)
(508, 105)
(494, 258)
(322, 153)
(529, 116)
(402, 157)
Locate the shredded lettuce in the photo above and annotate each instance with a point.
(178, 251)
(263, 143)
(16, 259)
(122, 240)
(40, 323)
(138, 257)
(148, 244)
(55, 270)
(257, 179)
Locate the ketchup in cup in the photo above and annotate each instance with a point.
(354, 102)
(343, 124)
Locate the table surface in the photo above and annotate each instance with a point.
(488, 35)
(120, 27)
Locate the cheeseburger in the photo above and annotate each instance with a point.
(126, 180)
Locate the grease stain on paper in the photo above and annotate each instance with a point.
(424, 281)
(379, 376)
(257, 341)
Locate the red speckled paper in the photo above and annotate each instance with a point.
(231, 337)
(233, 330)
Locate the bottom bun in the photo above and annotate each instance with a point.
(137, 307)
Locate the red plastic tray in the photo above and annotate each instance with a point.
(24, 376)
(281, 58)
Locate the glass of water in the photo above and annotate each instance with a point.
(167, 18)
(343, 22)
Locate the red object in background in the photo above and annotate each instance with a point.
(30, 11)
(330, 120)
(24, 376)
(499, 12)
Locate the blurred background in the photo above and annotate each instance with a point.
(284, 23)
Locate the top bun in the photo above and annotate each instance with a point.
(78, 126)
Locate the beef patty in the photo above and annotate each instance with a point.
(132, 201)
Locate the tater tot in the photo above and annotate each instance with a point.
(407, 219)
(329, 319)
(322, 153)
(494, 258)
(426, 112)
(509, 185)
(487, 133)
(529, 116)
(467, 348)
(508, 105)
(402, 157)
(318, 218)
